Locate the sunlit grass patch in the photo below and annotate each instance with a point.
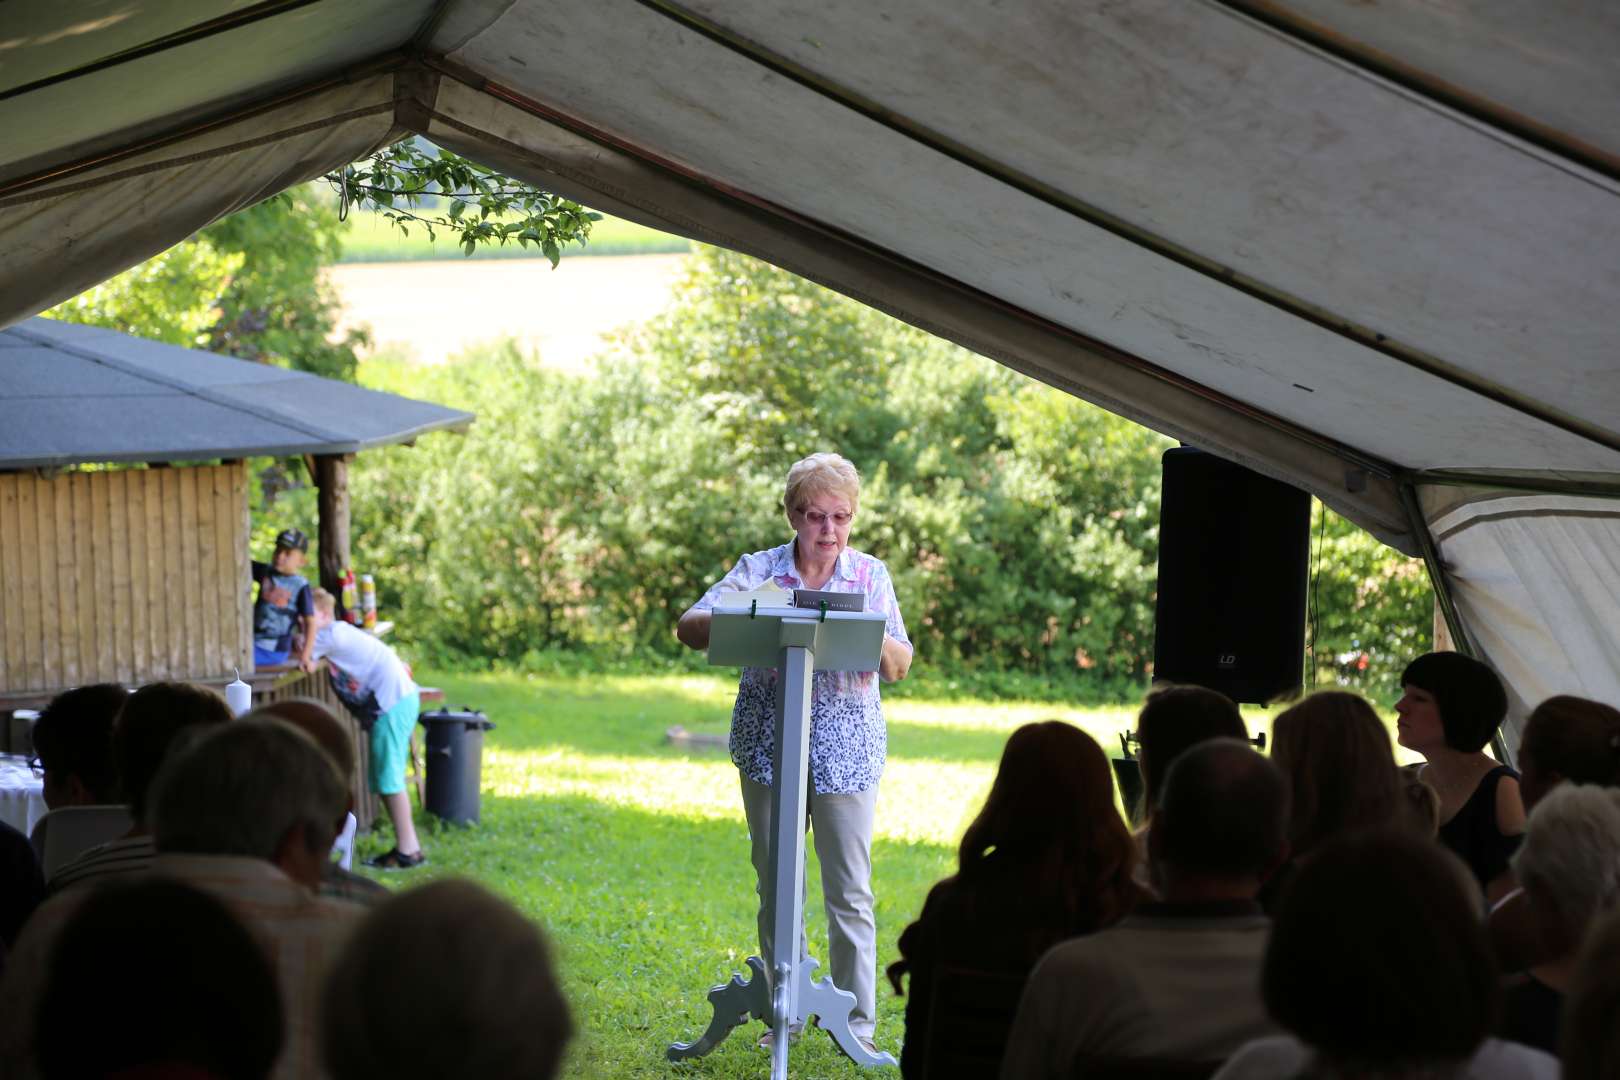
(633, 854)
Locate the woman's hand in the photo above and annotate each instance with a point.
(894, 662)
(693, 629)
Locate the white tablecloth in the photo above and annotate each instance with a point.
(22, 794)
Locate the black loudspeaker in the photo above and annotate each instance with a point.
(1234, 550)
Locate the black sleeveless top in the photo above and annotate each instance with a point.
(1472, 831)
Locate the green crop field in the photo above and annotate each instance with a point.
(373, 238)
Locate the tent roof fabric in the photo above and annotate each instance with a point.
(73, 394)
(1393, 256)
(1366, 249)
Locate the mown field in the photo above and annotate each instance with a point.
(372, 238)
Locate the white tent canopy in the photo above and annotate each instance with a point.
(1370, 250)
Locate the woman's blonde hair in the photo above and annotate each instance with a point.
(821, 474)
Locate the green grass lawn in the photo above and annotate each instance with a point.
(373, 238)
(634, 856)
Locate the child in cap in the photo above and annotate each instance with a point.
(284, 605)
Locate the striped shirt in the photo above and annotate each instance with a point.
(127, 855)
(301, 933)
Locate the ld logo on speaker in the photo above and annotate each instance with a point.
(1226, 660)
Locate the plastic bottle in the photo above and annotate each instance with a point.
(368, 600)
(351, 598)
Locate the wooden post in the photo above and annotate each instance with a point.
(332, 478)
(1442, 632)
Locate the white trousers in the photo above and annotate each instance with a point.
(841, 826)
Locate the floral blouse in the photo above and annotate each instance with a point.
(848, 741)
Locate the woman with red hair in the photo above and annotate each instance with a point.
(1048, 858)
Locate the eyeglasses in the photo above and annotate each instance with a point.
(818, 519)
(1131, 743)
(35, 766)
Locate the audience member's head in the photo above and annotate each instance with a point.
(1340, 767)
(255, 788)
(1568, 738)
(22, 886)
(148, 724)
(1378, 957)
(1569, 863)
(154, 978)
(73, 741)
(1222, 818)
(445, 980)
(1051, 808)
(1590, 1040)
(314, 719)
(1174, 718)
(1468, 699)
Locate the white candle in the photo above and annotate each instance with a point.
(239, 696)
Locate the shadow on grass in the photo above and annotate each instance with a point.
(629, 720)
(647, 912)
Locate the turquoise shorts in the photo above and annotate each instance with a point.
(390, 743)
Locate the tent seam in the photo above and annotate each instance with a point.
(1510, 515)
(205, 155)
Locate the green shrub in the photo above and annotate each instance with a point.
(587, 512)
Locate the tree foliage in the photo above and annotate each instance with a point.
(586, 512)
(249, 285)
(278, 307)
(1374, 607)
(170, 298)
(415, 183)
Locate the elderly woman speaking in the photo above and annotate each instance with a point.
(847, 736)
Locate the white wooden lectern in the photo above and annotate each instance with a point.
(782, 991)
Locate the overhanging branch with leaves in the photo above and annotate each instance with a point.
(407, 184)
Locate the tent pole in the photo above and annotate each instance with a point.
(1442, 592)
(1437, 573)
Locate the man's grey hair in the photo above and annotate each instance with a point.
(1571, 853)
(239, 788)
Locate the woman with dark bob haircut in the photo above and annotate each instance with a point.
(1341, 770)
(1048, 858)
(1450, 707)
(1378, 968)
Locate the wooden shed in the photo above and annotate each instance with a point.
(125, 575)
(124, 523)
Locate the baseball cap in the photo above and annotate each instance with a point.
(288, 539)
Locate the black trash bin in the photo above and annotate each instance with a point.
(455, 758)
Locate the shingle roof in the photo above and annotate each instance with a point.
(71, 394)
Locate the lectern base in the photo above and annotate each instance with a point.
(736, 1002)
